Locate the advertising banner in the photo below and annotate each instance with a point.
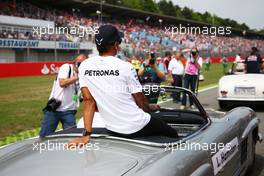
(29, 69)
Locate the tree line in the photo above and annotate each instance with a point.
(166, 7)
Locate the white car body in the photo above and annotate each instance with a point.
(246, 88)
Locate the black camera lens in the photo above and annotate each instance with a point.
(152, 55)
(53, 104)
(152, 61)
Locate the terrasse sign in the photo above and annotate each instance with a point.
(39, 44)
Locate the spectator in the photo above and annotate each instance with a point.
(152, 73)
(253, 63)
(238, 58)
(193, 64)
(224, 64)
(207, 63)
(61, 106)
(167, 59)
(176, 71)
(136, 63)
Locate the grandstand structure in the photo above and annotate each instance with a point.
(144, 31)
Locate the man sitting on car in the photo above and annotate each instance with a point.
(253, 63)
(112, 86)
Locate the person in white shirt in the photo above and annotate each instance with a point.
(62, 103)
(238, 58)
(176, 71)
(111, 86)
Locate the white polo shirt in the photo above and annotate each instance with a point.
(112, 82)
(65, 95)
(176, 67)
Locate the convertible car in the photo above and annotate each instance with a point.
(239, 88)
(209, 144)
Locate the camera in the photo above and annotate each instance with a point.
(152, 55)
(152, 61)
(53, 105)
(152, 58)
(193, 53)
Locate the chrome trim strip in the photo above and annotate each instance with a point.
(241, 99)
(251, 126)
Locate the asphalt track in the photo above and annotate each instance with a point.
(208, 98)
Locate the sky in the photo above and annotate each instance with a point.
(250, 12)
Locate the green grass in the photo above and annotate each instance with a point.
(22, 100)
(212, 76)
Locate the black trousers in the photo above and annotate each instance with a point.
(155, 127)
(177, 81)
(190, 82)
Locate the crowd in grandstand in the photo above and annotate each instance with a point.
(139, 36)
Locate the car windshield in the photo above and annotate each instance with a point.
(174, 98)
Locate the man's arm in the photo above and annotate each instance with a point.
(170, 72)
(141, 71)
(89, 107)
(63, 76)
(142, 101)
(186, 50)
(170, 76)
(159, 73)
(135, 89)
(67, 81)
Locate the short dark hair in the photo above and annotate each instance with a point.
(105, 48)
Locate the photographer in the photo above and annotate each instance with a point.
(193, 65)
(63, 99)
(151, 73)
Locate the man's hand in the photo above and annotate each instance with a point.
(153, 66)
(154, 107)
(159, 73)
(171, 80)
(80, 142)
